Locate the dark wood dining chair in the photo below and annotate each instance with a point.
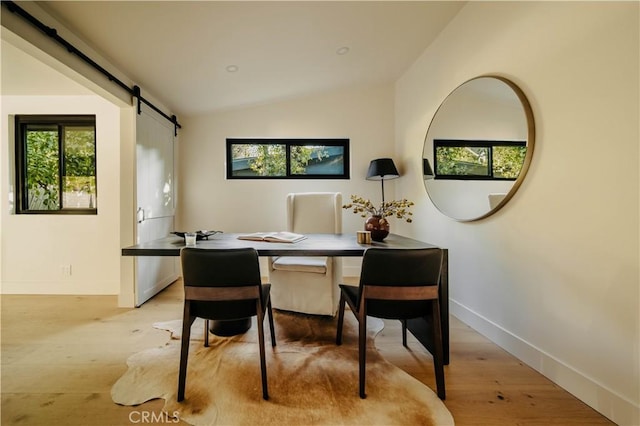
(223, 285)
(397, 284)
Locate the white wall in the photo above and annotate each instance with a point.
(552, 277)
(209, 201)
(35, 247)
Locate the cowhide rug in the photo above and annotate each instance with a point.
(311, 380)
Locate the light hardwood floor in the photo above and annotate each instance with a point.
(61, 355)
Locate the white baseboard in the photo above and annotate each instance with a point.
(611, 405)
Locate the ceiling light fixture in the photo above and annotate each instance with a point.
(343, 50)
(232, 68)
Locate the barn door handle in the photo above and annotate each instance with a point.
(140, 215)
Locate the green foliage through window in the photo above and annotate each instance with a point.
(462, 159)
(56, 164)
(287, 158)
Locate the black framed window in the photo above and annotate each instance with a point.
(287, 158)
(478, 160)
(56, 164)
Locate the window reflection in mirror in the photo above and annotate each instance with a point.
(478, 160)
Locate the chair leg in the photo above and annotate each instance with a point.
(362, 350)
(438, 357)
(206, 333)
(404, 332)
(271, 328)
(341, 307)
(263, 363)
(187, 321)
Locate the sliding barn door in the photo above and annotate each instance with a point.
(155, 200)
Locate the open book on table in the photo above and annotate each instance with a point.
(274, 237)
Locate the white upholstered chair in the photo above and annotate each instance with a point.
(309, 284)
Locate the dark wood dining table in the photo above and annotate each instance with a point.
(340, 245)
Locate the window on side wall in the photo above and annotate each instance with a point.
(287, 158)
(56, 164)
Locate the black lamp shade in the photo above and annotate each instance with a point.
(381, 169)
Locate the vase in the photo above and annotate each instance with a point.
(378, 226)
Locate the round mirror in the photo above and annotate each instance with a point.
(478, 148)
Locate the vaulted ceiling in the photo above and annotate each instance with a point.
(204, 56)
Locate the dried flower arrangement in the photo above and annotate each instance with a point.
(397, 208)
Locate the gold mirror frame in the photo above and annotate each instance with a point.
(437, 197)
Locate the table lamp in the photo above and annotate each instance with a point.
(381, 169)
(426, 169)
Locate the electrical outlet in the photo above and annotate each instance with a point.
(66, 270)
